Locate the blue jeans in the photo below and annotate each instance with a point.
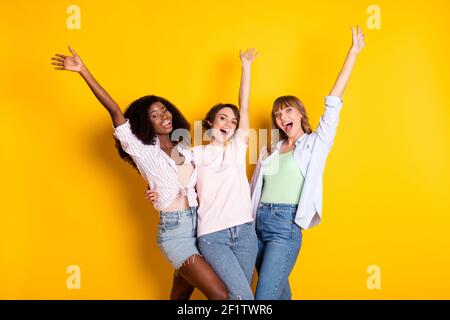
(279, 242)
(232, 254)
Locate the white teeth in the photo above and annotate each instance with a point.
(287, 125)
(165, 123)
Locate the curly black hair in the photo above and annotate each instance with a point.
(138, 115)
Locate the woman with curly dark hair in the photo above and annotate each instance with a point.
(143, 138)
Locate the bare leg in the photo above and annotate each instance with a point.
(199, 274)
(181, 288)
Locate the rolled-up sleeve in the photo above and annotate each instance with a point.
(326, 130)
(129, 142)
(333, 101)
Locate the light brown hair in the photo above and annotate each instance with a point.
(283, 102)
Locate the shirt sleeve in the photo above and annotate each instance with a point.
(328, 123)
(241, 147)
(129, 142)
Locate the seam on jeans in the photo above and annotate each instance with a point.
(274, 215)
(165, 228)
(277, 286)
(194, 222)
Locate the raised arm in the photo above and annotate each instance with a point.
(344, 74)
(75, 64)
(247, 58)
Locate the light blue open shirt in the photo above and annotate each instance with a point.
(311, 152)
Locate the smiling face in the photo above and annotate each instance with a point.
(224, 125)
(289, 120)
(221, 122)
(161, 118)
(289, 115)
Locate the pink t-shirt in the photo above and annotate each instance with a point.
(222, 186)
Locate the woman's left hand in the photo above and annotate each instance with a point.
(248, 56)
(357, 40)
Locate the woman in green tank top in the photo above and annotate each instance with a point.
(287, 182)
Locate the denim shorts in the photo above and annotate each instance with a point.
(177, 235)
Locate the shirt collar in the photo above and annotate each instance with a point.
(183, 149)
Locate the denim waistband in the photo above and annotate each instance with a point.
(279, 205)
(185, 212)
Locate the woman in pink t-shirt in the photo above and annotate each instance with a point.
(225, 230)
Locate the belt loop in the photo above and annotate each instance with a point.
(233, 233)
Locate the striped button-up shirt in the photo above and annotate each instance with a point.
(157, 168)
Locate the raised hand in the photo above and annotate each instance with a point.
(346, 70)
(357, 40)
(75, 64)
(248, 56)
(69, 63)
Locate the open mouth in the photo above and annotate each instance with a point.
(166, 124)
(224, 132)
(287, 126)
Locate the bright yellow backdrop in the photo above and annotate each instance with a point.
(68, 199)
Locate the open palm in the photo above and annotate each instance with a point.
(69, 63)
(357, 39)
(248, 56)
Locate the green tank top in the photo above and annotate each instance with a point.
(283, 181)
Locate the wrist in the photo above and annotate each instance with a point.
(353, 52)
(83, 70)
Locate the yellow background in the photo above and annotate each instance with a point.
(68, 199)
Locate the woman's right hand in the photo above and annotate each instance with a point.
(152, 196)
(69, 63)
